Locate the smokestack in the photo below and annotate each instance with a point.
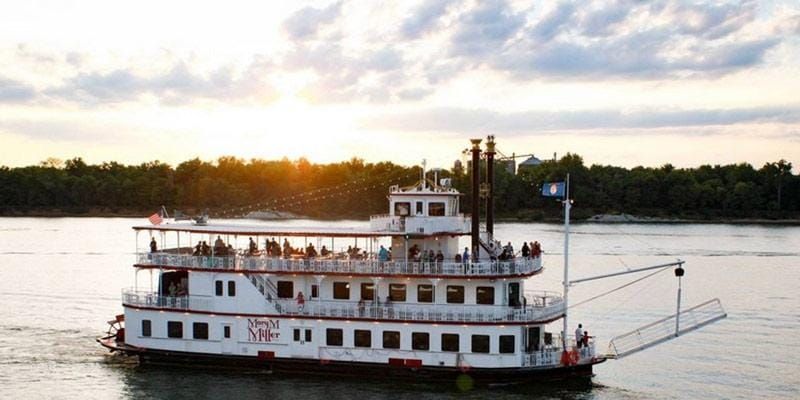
(490, 181)
(476, 205)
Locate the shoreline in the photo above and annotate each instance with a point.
(597, 219)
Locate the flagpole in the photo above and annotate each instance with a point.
(566, 262)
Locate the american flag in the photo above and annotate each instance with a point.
(155, 219)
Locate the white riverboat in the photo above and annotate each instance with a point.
(401, 302)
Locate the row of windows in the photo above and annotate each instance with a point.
(403, 208)
(175, 329)
(397, 292)
(218, 286)
(419, 340)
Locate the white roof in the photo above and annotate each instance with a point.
(267, 230)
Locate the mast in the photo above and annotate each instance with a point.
(567, 206)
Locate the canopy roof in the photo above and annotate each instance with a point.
(267, 230)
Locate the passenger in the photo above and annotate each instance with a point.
(252, 247)
(206, 249)
(324, 251)
(536, 250)
(361, 306)
(311, 252)
(383, 254)
(153, 245)
(431, 256)
(509, 250)
(173, 290)
(465, 255)
(579, 336)
(198, 250)
(526, 251)
(218, 244)
(301, 301)
(457, 258)
(439, 257)
(586, 338)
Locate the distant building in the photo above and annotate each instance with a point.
(531, 162)
(509, 164)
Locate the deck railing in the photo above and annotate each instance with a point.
(550, 355)
(549, 306)
(518, 266)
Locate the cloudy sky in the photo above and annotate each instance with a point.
(623, 83)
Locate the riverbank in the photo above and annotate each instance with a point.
(595, 219)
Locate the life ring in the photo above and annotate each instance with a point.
(573, 357)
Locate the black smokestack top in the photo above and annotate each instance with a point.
(476, 205)
(490, 180)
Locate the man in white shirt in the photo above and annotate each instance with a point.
(579, 335)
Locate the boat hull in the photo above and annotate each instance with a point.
(361, 370)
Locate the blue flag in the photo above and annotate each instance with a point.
(553, 189)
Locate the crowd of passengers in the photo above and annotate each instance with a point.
(497, 252)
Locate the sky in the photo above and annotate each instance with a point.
(622, 83)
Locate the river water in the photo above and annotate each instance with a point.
(60, 280)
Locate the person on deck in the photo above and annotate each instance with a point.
(586, 338)
(198, 250)
(465, 256)
(383, 254)
(311, 252)
(206, 249)
(526, 251)
(536, 250)
(439, 257)
(324, 251)
(579, 336)
(252, 247)
(301, 301)
(153, 245)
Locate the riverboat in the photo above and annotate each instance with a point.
(401, 301)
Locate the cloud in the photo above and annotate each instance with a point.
(424, 18)
(458, 120)
(306, 22)
(485, 28)
(178, 85)
(12, 91)
(548, 27)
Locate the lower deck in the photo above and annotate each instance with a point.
(405, 344)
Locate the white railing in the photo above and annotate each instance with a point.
(518, 266)
(548, 306)
(154, 300)
(551, 355)
(396, 311)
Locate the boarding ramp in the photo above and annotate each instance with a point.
(665, 329)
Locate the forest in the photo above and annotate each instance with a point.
(231, 187)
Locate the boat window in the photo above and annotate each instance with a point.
(296, 334)
(147, 328)
(367, 291)
(308, 335)
(334, 337)
(231, 288)
(480, 343)
(484, 295)
(391, 339)
(226, 331)
(449, 342)
(419, 208)
(455, 294)
(402, 209)
(174, 329)
(420, 341)
(218, 288)
(341, 290)
(200, 330)
(507, 343)
(424, 293)
(397, 292)
(285, 289)
(436, 209)
(362, 338)
(314, 291)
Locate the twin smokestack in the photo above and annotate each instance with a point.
(476, 183)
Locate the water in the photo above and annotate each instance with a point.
(60, 281)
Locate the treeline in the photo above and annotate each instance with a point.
(232, 187)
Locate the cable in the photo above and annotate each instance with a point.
(618, 288)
